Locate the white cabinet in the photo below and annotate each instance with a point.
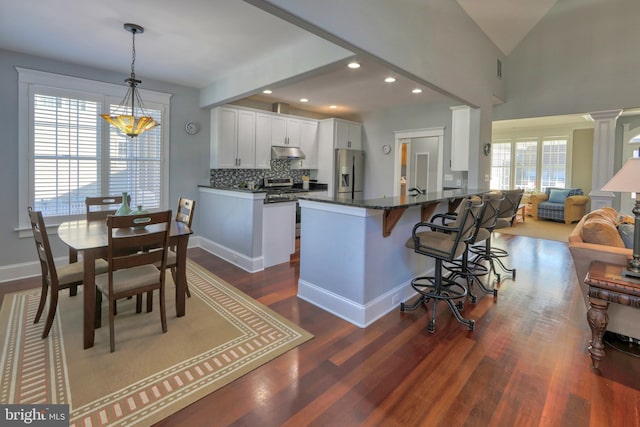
(232, 138)
(308, 145)
(285, 131)
(348, 135)
(263, 141)
(462, 118)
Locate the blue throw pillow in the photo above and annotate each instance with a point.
(558, 196)
(626, 232)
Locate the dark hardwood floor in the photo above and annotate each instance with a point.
(526, 363)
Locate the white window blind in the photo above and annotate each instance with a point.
(554, 163)
(135, 164)
(501, 166)
(66, 154)
(526, 164)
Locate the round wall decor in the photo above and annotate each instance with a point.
(192, 128)
(386, 149)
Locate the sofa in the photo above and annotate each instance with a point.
(597, 237)
(559, 204)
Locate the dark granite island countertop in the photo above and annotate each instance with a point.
(394, 207)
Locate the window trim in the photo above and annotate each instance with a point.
(28, 80)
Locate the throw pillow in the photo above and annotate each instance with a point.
(558, 196)
(626, 233)
(601, 231)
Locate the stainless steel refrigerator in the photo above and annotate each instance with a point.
(349, 174)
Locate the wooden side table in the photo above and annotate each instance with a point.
(606, 284)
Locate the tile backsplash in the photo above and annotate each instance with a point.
(232, 177)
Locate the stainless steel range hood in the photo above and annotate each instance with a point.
(286, 153)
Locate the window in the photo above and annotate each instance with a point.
(70, 153)
(500, 166)
(526, 164)
(531, 163)
(554, 161)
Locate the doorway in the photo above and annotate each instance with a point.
(419, 160)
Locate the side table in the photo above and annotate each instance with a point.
(606, 284)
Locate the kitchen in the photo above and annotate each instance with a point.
(261, 162)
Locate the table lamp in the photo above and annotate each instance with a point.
(627, 180)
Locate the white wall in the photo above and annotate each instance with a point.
(581, 57)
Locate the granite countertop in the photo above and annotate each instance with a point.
(396, 202)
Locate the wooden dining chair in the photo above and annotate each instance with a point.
(98, 208)
(132, 271)
(184, 214)
(56, 278)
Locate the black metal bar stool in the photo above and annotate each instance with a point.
(443, 243)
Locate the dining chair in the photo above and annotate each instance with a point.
(131, 271)
(57, 278)
(98, 208)
(184, 214)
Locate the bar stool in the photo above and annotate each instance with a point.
(506, 217)
(444, 243)
(473, 270)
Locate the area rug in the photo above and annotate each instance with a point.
(541, 229)
(224, 335)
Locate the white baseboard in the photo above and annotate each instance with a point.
(358, 314)
(251, 265)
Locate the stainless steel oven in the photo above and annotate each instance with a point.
(282, 190)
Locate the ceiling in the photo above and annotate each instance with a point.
(198, 42)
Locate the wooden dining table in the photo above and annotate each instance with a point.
(91, 239)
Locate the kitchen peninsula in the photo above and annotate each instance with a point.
(353, 259)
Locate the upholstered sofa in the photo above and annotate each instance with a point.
(596, 237)
(559, 204)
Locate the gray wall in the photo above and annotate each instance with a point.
(378, 130)
(581, 57)
(188, 162)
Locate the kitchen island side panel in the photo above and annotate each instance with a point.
(232, 222)
(348, 268)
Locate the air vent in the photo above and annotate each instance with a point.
(499, 69)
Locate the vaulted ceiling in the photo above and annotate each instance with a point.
(198, 42)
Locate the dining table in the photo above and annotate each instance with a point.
(90, 238)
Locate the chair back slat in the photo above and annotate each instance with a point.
(185, 210)
(42, 245)
(130, 234)
(98, 208)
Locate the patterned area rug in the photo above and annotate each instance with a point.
(224, 335)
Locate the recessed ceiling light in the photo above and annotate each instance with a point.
(417, 90)
(353, 65)
(304, 100)
(390, 79)
(267, 91)
(333, 106)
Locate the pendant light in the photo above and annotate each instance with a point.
(125, 115)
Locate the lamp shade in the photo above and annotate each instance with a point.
(627, 180)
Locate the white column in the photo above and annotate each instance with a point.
(604, 139)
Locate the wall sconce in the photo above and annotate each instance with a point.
(487, 149)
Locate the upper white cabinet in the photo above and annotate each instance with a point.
(348, 134)
(263, 140)
(285, 131)
(241, 138)
(233, 138)
(464, 130)
(308, 145)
